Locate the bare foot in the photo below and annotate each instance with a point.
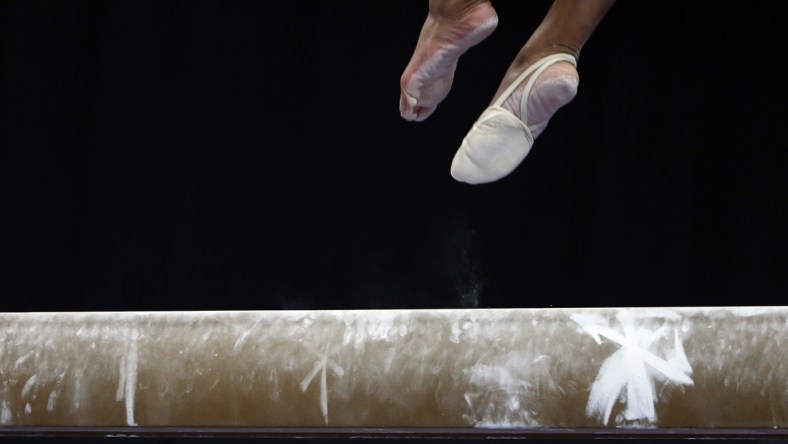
(428, 77)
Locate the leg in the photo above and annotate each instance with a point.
(451, 28)
(565, 29)
(542, 79)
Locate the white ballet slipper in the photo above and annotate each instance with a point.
(499, 141)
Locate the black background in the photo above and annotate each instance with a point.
(217, 155)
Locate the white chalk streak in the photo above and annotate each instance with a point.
(127, 381)
(626, 368)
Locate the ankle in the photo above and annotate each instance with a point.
(460, 10)
(531, 53)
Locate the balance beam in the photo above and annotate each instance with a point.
(697, 372)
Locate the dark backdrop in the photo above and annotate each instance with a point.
(249, 155)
